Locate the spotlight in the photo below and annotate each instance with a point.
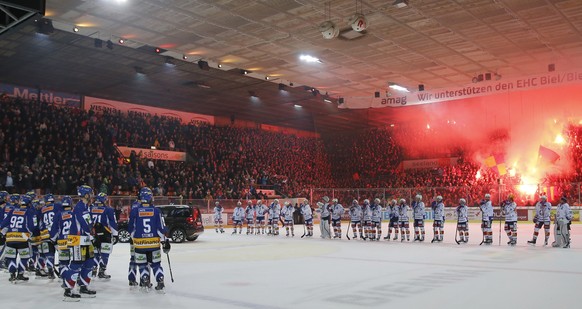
(184, 57)
(75, 29)
(109, 44)
(219, 65)
(203, 65)
(421, 87)
(314, 92)
(400, 3)
(244, 72)
(45, 26)
(327, 100)
(121, 41)
(170, 61)
(297, 106)
(282, 86)
(266, 77)
(158, 50)
(551, 67)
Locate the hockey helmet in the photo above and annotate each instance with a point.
(3, 195)
(325, 199)
(15, 198)
(439, 198)
(402, 201)
(377, 200)
(543, 198)
(487, 196)
(26, 199)
(101, 198)
(84, 190)
(564, 199)
(334, 201)
(237, 203)
(286, 203)
(146, 195)
(67, 201)
(249, 202)
(49, 198)
(462, 201)
(276, 201)
(319, 204)
(355, 202)
(418, 197)
(366, 201)
(510, 196)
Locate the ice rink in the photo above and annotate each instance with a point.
(240, 271)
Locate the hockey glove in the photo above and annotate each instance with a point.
(166, 246)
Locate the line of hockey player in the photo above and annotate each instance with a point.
(366, 219)
(33, 230)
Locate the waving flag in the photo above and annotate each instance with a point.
(496, 163)
(547, 155)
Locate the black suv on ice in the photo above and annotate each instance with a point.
(183, 222)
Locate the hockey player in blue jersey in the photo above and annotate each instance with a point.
(59, 234)
(307, 214)
(287, 215)
(250, 217)
(463, 221)
(418, 217)
(261, 210)
(18, 227)
(542, 218)
(8, 207)
(47, 248)
(237, 218)
(132, 270)
(438, 208)
(148, 231)
(3, 205)
(392, 210)
(80, 244)
(105, 225)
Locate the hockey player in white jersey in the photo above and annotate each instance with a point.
(355, 212)
(418, 215)
(562, 224)
(438, 208)
(337, 211)
(376, 220)
(307, 217)
(403, 220)
(238, 215)
(261, 210)
(462, 221)
(218, 209)
(287, 214)
(392, 210)
(250, 217)
(509, 209)
(276, 215)
(324, 210)
(542, 218)
(367, 219)
(486, 219)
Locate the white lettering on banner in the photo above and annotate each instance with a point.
(469, 91)
(429, 163)
(97, 104)
(153, 154)
(45, 96)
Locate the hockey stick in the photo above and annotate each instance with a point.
(499, 228)
(170, 267)
(456, 232)
(348, 231)
(304, 229)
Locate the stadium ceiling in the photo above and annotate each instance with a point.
(437, 43)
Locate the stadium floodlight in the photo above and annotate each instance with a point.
(309, 59)
(400, 3)
(398, 87)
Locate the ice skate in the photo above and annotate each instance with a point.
(85, 292)
(160, 288)
(532, 242)
(103, 275)
(12, 278)
(21, 277)
(70, 296)
(40, 274)
(51, 274)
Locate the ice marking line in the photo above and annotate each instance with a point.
(551, 271)
(225, 301)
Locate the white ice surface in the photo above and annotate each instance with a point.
(240, 271)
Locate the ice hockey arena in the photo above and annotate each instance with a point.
(290, 153)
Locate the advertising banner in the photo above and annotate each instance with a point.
(153, 154)
(393, 98)
(97, 105)
(429, 163)
(42, 95)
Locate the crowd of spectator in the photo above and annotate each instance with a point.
(52, 149)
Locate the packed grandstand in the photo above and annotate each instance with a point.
(54, 149)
